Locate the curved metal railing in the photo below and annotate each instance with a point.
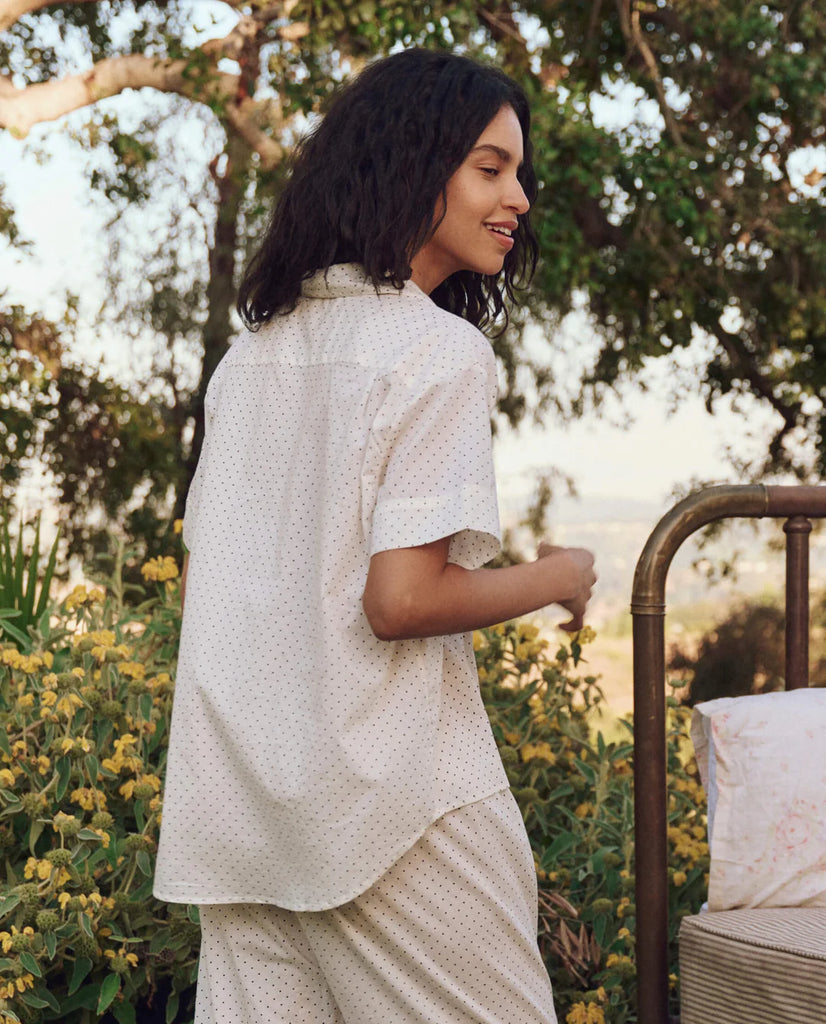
(797, 505)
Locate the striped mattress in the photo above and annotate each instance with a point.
(765, 966)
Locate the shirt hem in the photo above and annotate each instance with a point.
(181, 893)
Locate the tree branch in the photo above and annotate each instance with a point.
(21, 109)
(12, 10)
(630, 23)
(744, 364)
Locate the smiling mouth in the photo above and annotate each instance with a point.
(507, 232)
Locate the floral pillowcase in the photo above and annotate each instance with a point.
(762, 760)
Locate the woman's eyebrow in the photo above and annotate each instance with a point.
(503, 154)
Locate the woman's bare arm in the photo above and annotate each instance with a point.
(416, 592)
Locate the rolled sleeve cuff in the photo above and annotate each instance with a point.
(470, 516)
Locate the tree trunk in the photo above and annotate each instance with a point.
(220, 291)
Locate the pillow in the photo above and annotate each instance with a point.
(762, 760)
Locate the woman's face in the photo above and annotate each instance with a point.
(484, 198)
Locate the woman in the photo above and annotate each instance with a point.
(335, 803)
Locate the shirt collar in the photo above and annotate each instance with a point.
(346, 279)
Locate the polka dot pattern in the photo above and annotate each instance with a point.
(446, 936)
(306, 756)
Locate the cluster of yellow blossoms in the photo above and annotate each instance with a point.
(81, 595)
(585, 1013)
(160, 569)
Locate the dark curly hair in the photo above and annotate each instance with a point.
(366, 181)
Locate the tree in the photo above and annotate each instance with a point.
(701, 213)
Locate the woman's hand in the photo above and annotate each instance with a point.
(582, 563)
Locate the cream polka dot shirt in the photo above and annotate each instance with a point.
(306, 756)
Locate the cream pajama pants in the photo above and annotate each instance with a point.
(446, 936)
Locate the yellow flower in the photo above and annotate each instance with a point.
(133, 669)
(89, 799)
(178, 526)
(105, 838)
(11, 657)
(30, 663)
(77, 597)
(679, 878)
(160, 569)
(48, 699)
(68, 705)
(23, 982)
(25, 702)
(585, 1013)
(619, 960)
(584, 809)
(41, 868)
(478, 640)
(542, 750)
(6, 777)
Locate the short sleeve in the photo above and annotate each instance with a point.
(433, 453)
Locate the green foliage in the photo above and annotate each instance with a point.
(21, 606)
(83, 735)
(84, 719)
(744, 653)
(575, 790)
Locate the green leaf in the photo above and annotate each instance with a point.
(31, 965)
(124, 1013)
(10, 613)
(63, 767)
(586, 771)
(92, 767)
(86, 998)
(172, 1007)
(145, 706)
(564, 841)
(16, 634)
(27, 604)
(4, 742)
(193, 913)
(108, 990)
(86, 925)
(35, 832)
(9, 903)
(42, 992)
(81, 968)
(46, 582)
(30, 999)
(50, 942)
(88, 833)
(144, 864)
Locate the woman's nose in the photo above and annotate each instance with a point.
(517, 200)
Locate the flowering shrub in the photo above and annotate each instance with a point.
(84, 715)
(576, 794)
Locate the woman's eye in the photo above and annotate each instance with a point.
(491, 171)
